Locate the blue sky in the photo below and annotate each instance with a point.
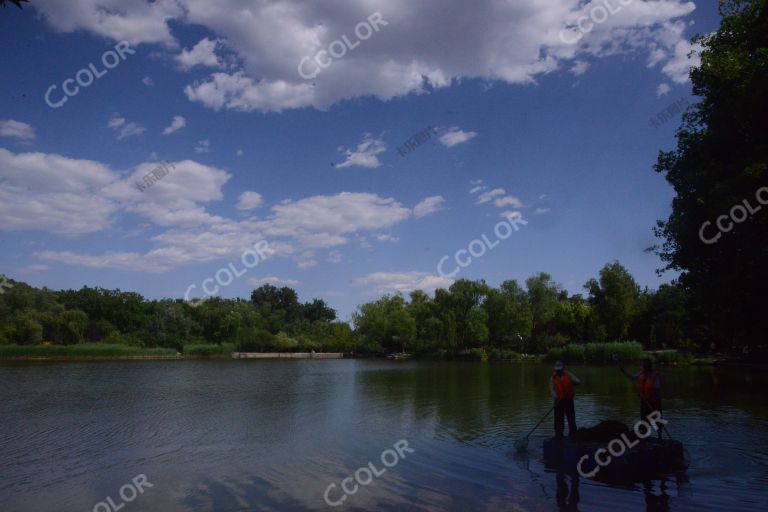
(558, 132)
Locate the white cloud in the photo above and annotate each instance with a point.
(17, 130)
(510, 213)
(428, 206)
(513, 42)
(387, 238)
(455, 136)
(305, 264)
(490, 195)
(403, 282)
(321, 221)
(202, 54)
(177, 123)
(134, 22)
(203, 146)
(678, 67)
(542, 211)
(275, 281)
(508, 201)
(365, 155)
(334, 257)
(123, 127)
(239, 152)
(249, 200)
(239, 92)
(148, 81)
(579, 67)
(53, 193)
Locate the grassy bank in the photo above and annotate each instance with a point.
(201, 350)
(82, 350)
(625, 351)
(598, 353)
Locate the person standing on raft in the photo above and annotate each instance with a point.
(649, 383)
(562, 385)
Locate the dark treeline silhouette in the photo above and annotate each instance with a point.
(716, 233)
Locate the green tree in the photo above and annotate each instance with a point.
(543, 295)
(721, 160)
(615, 299)
(386, 324)
(73, 324)
(26, 328)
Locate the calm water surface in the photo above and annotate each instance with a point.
(273, 435)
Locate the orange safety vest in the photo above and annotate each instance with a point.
(564, 387)
(646, 387)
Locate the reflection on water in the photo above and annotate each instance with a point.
(272, 435)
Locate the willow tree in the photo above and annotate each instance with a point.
(719, 163)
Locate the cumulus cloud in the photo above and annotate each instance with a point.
(486, 197)
(428, 206)
(334, 257)
(50, 192)
(322, 221)
(72, 197)
(203, 146)
(293, 229)
(365, 155)
(249, 200)
(403, 282)
(508, 201)
(579, 67)
(662, 90)
(417, 51)
(202, 54)
(177, 123)
(455, 136)
(237, 91)
(17, 130)
(124, 128)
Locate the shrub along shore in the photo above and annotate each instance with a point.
(589, 353)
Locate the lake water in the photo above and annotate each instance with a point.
(274, 435)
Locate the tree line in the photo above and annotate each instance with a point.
(533, 319)
(272, 320)
(467, 315)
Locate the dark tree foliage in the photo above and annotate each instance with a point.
(273, 321)
(17, 3)
(721, 160)
(467, 316)
(472, 315)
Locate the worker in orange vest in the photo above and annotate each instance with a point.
(561, 384)
(649, 383)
